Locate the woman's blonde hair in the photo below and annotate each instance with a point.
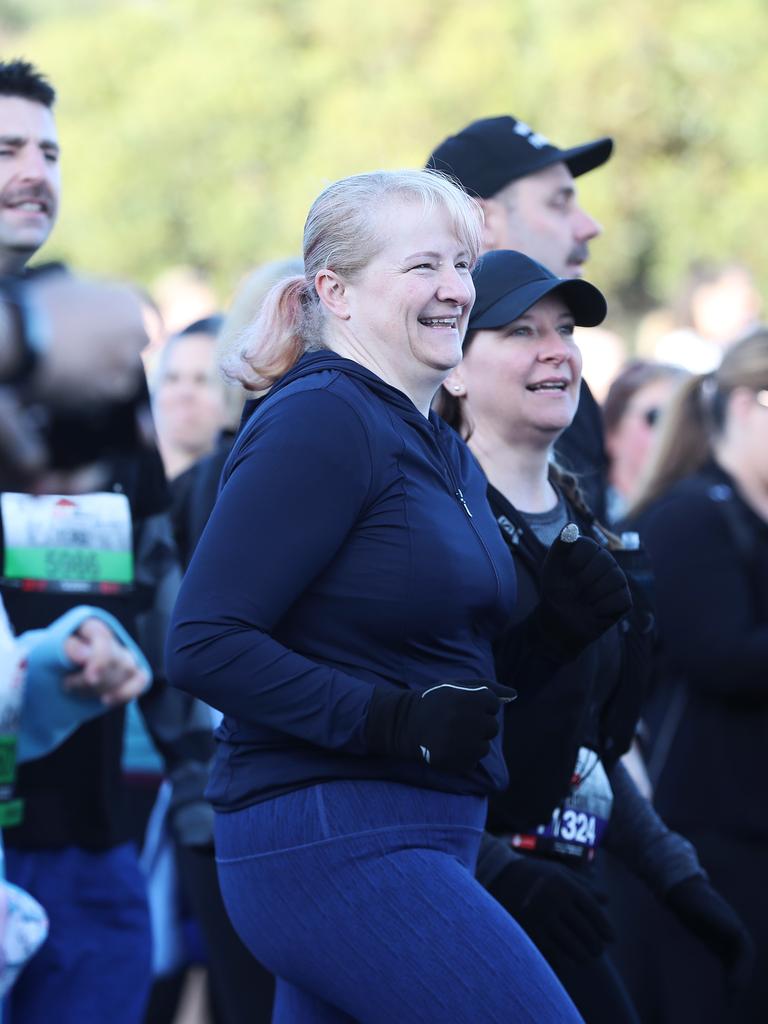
(343, 232)
(696, 416)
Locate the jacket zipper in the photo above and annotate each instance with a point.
(459, 495)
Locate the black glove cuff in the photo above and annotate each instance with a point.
(679, 894)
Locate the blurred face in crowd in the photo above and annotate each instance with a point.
(540, 216)
(29, 179)
(188, 400)
(758, 436)
(743, 446)
(724, 308)
(520, 383)
(630, 442)
(405, 314)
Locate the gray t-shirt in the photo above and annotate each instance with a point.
(547, 525)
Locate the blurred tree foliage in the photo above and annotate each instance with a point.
(200, 132)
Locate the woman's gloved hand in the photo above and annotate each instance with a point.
(583, 591)
(449, 726)
(714, 921)
(557, 909)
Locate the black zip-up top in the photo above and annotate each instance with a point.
(593, 700)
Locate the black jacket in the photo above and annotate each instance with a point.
(594, 700)
(193, 495)
(708, 712)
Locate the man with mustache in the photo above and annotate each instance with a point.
(64, 341)
(30, 177)
(106, 544)
(525, 185)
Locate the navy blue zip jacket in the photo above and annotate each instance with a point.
(351, 546)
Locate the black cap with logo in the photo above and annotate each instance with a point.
(490, 153)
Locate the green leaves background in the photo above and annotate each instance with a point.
(198, 132)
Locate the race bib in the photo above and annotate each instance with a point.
(81, 543)
(577, 826)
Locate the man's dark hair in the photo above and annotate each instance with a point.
(20, 78)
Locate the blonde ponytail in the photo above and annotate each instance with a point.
(270, 346)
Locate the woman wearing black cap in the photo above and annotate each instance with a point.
(511, 397)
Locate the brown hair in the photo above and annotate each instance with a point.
(697, 415)
(633, 377)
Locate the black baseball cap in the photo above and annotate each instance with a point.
(508, 283)
(490, 153)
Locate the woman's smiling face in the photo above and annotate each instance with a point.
(521, 381)
(410, 305)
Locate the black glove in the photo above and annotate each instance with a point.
(557, 909)
(449, 726)
(583, 592)
(714, 921)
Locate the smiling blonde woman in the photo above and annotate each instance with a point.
(340, 610)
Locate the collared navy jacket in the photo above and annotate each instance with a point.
(341, 555)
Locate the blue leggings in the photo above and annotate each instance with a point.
(361, 898)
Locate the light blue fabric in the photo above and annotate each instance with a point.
(50, 713)
(139, 752)
(158, 863)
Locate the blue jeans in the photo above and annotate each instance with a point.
(361, 898)
(96, 962)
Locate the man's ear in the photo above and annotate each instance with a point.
(332, 292)
(494, 224)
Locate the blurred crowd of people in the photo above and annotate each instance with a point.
(634, 745)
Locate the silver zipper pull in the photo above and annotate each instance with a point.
(460, 496)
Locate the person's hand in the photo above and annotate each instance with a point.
(583, 591)
(714, 921)
(107, 669)
(448, 726)
(555, 907)
(96, 333)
